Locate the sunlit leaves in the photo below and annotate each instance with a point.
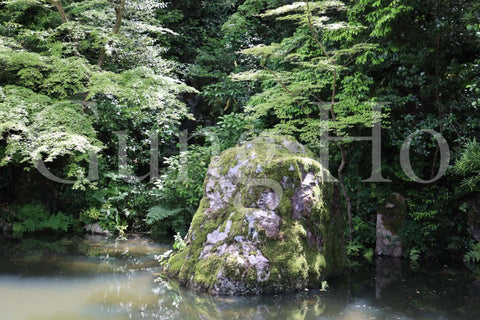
(55, 92)
(35, 125)
(314, 6)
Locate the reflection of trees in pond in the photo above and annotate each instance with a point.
(168, 301)
(431, 292)
(78, 256)
(294, 306)
(135, 246)
(136, 298)
(387, 271)
(39, 246)
(120, 291)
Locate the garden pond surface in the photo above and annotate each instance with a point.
(98, 279)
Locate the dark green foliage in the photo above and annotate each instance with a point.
(68, 83)
(158, 213)
(34, 219)
(468, 165)
(473, 255)
(180, 187)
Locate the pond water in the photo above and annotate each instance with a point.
(97, 279)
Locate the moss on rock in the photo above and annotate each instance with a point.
(393, 212)
(266, 223)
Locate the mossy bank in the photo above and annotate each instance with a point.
(267, 223)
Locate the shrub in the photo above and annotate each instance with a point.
(33, 218)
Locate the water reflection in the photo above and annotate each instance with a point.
(97, 279)
(387, 271)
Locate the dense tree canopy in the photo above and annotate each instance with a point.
(83, 80)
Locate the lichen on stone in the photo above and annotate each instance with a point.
(267, 223)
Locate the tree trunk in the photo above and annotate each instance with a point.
(116, 28)
(332, 112)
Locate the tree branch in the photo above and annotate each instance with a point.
(58, 5)
(286, 88)
(116, 28)
(334, 118)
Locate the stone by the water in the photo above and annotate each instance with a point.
(390, 219)
(473, 216)
(267, 223)
(95, 228)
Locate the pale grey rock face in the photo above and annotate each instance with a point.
(96, 229)
(304, 196)
(215, 237)
(268, 221)
(257, 229)
(268, 200)
(219, 190)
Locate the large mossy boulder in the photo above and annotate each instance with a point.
(267, 223)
